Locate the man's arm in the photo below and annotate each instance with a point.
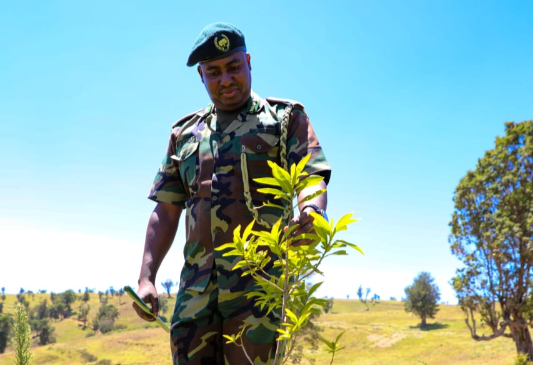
(304, 219)
(160, 234)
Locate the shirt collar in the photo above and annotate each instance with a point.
(254, 105)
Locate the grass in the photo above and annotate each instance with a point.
(385, 334)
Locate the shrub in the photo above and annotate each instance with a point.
(88, 357)
(522, 359)
(106, 325)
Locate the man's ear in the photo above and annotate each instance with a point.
(200, 73)
(248, 60)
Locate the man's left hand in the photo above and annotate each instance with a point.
(304, 220)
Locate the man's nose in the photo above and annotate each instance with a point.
(226, 79)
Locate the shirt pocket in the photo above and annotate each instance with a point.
(187, 158)
(259, 149)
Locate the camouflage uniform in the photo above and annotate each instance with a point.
(202, 172)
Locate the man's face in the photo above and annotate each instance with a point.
(228, 80)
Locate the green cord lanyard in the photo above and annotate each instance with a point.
(284, 162)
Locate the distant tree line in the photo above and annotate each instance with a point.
(57, 307)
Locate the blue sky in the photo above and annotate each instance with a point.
(404, 97)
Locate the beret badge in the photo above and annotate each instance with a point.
(222, 43)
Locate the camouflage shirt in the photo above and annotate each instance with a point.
(202, 172)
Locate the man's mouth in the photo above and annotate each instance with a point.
(229, 93)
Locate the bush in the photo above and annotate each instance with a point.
(522, 359)
(88, 357)
(106, 325)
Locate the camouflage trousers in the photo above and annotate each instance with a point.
(200, 320)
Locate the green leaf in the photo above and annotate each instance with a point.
(231, 339)
(291, 315)
(240, 264)
(344, 222)
(340, 253)
(329, 344)
(355, 247)
(267, 181)
(339, 336)
(278, 193)
(282, 176)
(225, 246)
(312, 196)
(301, 165)
(310, 180)
(248, 230)
(232, 253)
(320, 222)
(268, 204)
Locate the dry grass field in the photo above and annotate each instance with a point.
(384, 334)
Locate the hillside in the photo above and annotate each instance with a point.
(384, 334)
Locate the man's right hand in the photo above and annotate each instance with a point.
(148, 293)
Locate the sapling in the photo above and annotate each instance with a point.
(22, 337)
(280, 261)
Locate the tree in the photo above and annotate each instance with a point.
(163, 305)
(329, 305)
(360, 295)
(491, 233)
(22, 337)
(6, 325)
(68, 297)
(83, 312)
(105, 319)
(41, 310)
(120, 293)
(421, 298)
(21, 298)
(85, 297)
(57, 310)
(44, 331)
(167, 284)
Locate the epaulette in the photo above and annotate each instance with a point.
(295, 104)
(187, 117)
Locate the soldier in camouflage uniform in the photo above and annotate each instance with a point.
(202, 175)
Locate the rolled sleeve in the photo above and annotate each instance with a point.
(302, 141)
(168, 185)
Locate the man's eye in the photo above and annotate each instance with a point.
(234, 68)
(213, 73)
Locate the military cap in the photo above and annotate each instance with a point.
(217, 40)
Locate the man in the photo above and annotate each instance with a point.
(203, 175)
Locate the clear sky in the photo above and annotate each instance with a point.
(404, 97)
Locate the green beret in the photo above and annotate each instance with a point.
(216, 41)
